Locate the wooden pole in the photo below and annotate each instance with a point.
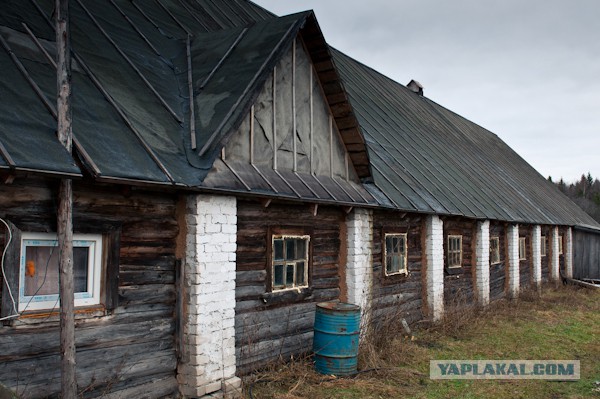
(65, 205)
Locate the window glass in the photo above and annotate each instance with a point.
(39, 281)
(454, 251)
(522, 248)
(543, 246)
(395, 254)
(495, 250)
(291, 272)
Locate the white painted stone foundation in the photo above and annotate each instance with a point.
(512, 249)
(569, 254)
(208, 358)
(434, 266)
(482, 263)
(536, 246)
(359, 263)
(554, 255)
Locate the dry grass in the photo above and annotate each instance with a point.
(562, 323)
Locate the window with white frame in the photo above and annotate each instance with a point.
(543, 246)
(560, 245)
(494, 250)
(454, 251)
(290, 262)
(38, 272)
(395, 254)
(522, 248)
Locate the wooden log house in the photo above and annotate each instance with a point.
(231, 170)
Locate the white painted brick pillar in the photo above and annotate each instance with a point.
(434, 266)
(569, 254)
(359, 263)
(482, 263)
(536, 246)
(512, 246)
(554, 255)
(208, 359)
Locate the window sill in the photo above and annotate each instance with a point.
(43, 316)
(287, 296)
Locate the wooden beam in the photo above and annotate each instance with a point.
(314, 209)
(348, 209)
(65, 205)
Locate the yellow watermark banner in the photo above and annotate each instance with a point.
(561, 370)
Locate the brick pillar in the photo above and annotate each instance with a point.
(359, 263)
(482, 263)
(536, 246)
(208, 338)
(434, 266)
(569, 254)
(554, 256)
(512, 247)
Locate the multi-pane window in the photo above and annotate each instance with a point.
(560, 245)
(395, 254)
(494, 250)
(543, 246)
(38, 273)
(454, 251)
(290, 262)
(522, 248)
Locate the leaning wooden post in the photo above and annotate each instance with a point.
(65, 205)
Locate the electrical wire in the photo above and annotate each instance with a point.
(12, 298)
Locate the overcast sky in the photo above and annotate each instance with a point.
(528, 70)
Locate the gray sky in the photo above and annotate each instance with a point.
(528, 70)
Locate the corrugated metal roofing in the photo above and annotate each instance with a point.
(426, 158)
(132, 114)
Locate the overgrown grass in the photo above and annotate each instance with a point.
(562, 324)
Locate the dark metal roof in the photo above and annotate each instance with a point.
(426, 158)
(142, 115)
(158, 87)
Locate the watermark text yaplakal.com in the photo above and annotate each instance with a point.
(563, 370)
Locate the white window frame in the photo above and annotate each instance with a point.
(543, 246)
(560, 244)
(522, 248)
(495, 251)
(51, 301)
(451, 252)
(404, 267)
(286, 263)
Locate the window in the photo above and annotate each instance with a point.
(522, 248)
(560, 245)
(543, 246)
(494, 250)
(38, 271)
(395, 254)
(454, 251)
(290, 262)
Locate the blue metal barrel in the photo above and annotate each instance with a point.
(337, 328)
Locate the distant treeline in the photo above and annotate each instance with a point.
(585, 193)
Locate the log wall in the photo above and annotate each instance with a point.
(274, 325)
(526, 265)
(562, 234)
(586, 251)
(546, 258)
(458, 282)
(498, 270)
(397, 296)
(125, 352)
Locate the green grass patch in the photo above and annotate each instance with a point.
(562, 324)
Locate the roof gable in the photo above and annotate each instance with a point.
(288, 143)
